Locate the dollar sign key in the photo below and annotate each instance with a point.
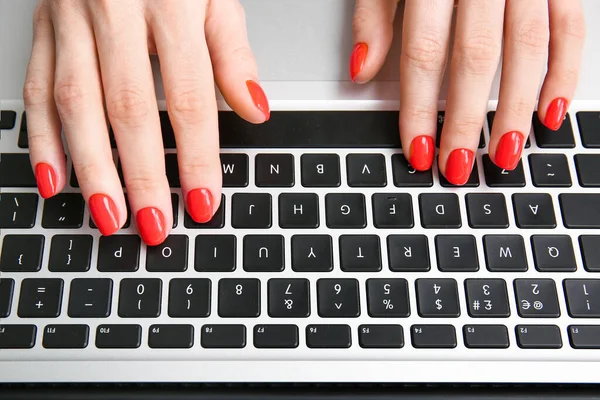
(438, 304)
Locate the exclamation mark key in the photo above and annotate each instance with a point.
(583, 297)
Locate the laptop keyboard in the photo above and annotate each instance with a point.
(326, 239)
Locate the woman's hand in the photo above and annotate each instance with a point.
(92, 56)
(522, 31)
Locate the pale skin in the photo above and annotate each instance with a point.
(90, 65)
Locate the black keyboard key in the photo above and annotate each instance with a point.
(223, 336)
(392, 211)
(168, 134)
(584, 336)
(298, 210)
(264, 253)
(580, 211)
(366, 170)
(588, 169)
(40, 298)
(66, 336)
(487, 298)
(328, 336)
(90, 298)
(534, 211)
(590, 252)
(536, 298)
(18, 210)
(549, 139)
(553, 253)
(215, 253)
(7, 287)
(388, 298)
(320, 170)
(63, 211)
(251, 210)
(437, 298)
(550, 170)
(589, 127)
(216, 222)
(8, 119)
(487, 210)
(289, 298)
(170, 336)
(498, 177)
(170, 256)
(312, 253)
(17, 336)
(276, 336)
(380, 336)
(440, 211)
(583, 297)
(472, 182)
(456, 253)
(16, 170)
(406, 176)
(118, 336)
(345, 211)
(337, 298)
(239, 298)
(172, 170)
(538, 337)
(189, 298)
(274, 170)
(70, 253)
(486, 336)
(235, 169)
(408, 253)
(360, 253)
(119, 253)
(23, 141)
(433, 336)
(22, 253)
(505, 253)
(140, 298)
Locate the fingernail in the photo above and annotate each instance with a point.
(104, 213)
(46, 180)
(259, 98)
(508, 151)
(555, 114)
(421, 153)
(459, 166)
(199, 203)
(357, 59)
(151, 225)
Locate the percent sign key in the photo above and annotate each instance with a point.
(388, 298)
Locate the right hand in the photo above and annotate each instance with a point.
(88, 55)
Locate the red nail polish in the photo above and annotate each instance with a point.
(151, 225)
(46, 180)
(357, 59)
(199, 202)
(104, 213)
(422, 152)
(259, 98)
(555, 114)
(508, 151)
(459, 166)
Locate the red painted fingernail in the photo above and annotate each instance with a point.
(104, 213)
(555, 114)
(151, 225)
(422, 152)
(46, 180)
(459, 166)
(357, 59)
(259, 98)
(508, 151)
(199, 203)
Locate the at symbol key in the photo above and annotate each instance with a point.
(536, 298)
(437, 298)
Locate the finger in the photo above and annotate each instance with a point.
(373, 34)
(525, 53)
(425, 37)
(78, 97)
(132, 109)
(233, 63)
(474, 63)
(43, 125)
(567, 37)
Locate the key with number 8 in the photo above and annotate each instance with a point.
(239, 298)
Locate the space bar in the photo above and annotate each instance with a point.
(580, 211)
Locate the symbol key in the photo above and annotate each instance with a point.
(550, 170)
(289, 298)
(21, 253)
(90, 298)
(18, 210)
(63, 211)
(437, 298)
(40, 298)
(70, 253)
(583, 297)
(388, 298)
(536, 298)
(6, 293)
(487, 298)
(338, 298)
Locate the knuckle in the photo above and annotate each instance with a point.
(127, 105)
(69, 95)
(143, 183)
(572, 25)
(426, 52)
(420, 113)
(39, 139)
(35, 92)
(201, 166)
(532, 36)
(188, 106)
(88, 172)
(468, 126)
(521, 108)
(479, 53)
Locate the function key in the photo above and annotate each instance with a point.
(456, 253)
(223, 336)
(338, 298)
(274, 170)
(433, 336)
(18, 210)
(487, 210)
(16, 171)
(320, 170)
(6, 294)
(440, 210)
(90, 298)
(538, 336)
(189, 298)
(550, 170)
(7, 119)
(487, 298)
(170, 336)
(472, 182)
(536, 298)
(70, 253)
(276, 336)
(388, 298)
(549, 139)
(534, 210)
(264, 253)
(407, 176)
(239, 298)
(588, 169)
(584, 336)
(366, 170)
(251, 210)
(119, 253)
(380, 336)
(17, 336)
(298, 210)
(216, 222)
(66, 336)
(40, 298)
(437, 298)
(590, 252)
(345, 210)
(580, 210)
(583, 297)
(328, 336)
(392, 210)
(118, 336)
(486, 336)
(215, 253)
(22, 253)
(589, 126)
(408, 253)
(23, 141)
(360, 253)
(505, 253)
(235, 169)
(553, 253)
(498, 177)
(63, 211)
(312, 253)
(170, 256)
(140, 298)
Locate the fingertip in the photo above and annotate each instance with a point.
(259, 99)
(47, 180)
(555, 113)
(421, 153)
(152, 226)
(357, 61)
(201, 205)
(459, 166)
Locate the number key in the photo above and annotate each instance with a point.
(338, 298)
(536, 298)
(289, 298)
(140, 298)
(437, 298)
(189, 298)
(487, 298)
(239, 298)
